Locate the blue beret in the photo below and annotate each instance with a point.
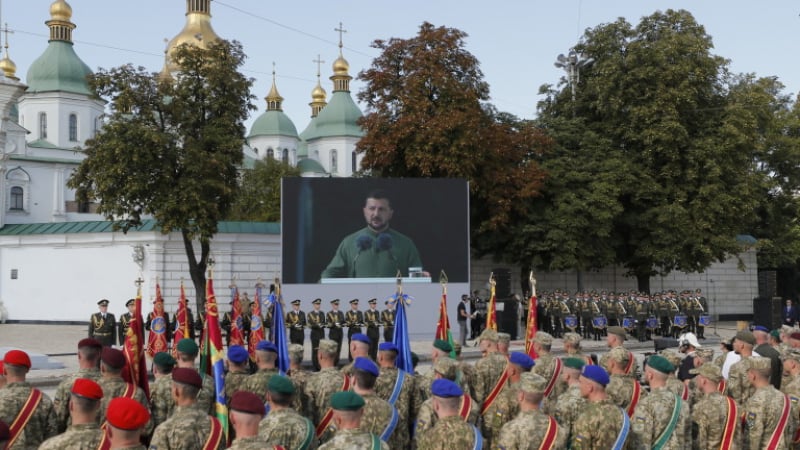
(366, 364)
(387, 347)
(446, 388)
(360, 337)
(595, 373)
(237, 354)
(267, 346)
(761, 328)
(521, 359)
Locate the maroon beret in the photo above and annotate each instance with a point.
(87, 388)
(89, 342)
(17, 358)
(113, 357)
(247, 402)
(795, 335)
(126, 414)
(187, 376)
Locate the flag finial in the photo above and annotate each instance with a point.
(532, 281)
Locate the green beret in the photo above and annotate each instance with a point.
(660, 364)
(347, 401)
(188, 346)
(280, 384)
(163, 359)
(442, 345)
(776, 334)
(746, 337)
(574, 363)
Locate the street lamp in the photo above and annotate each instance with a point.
(572, 63)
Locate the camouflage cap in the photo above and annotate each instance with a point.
(328, 346)
(617, 331)
(488, 335)
(791, 353)
(572, 338)
(758, 363)
(504, 338)
(446, 367)
(710, 371)
(671, 356)
(531, 382)
(295, 350)
(705, 353)
(543, 338)
(619, 355)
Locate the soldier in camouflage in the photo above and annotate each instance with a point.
(161, 390)
(675, 385)
(348, 410)
(490, 367)
(570, 403)
(266, 356)
(112, 361)
(84, 432)
(791, 367)
(450, 431)
(186, 356)
(444, 368)
(661, 419)
(42, 421)
(763, 411)
(441, 349)
(398, 395)
(190, 426)
(712, 411)
(616, 338)
(238, 370)
(547, 367)
(246, 412)
(380, 417)
(503, 343)
(88, 362)
(299, 377)
(323, 384)
(283, 425)
(531, 429)
(739, 386)
(125, 423)
(506, 406)
(358, 347)
(622, 387)
(600, 424)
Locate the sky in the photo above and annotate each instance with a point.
(515, 41)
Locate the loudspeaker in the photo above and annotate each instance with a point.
(508, 318)
(502, 278)
(665, 343)
(767, 311)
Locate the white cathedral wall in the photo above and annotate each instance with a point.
(58, 106)
(277, 144)
(344, 146)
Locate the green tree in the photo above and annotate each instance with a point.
(428, 117)
(659, 100)
(171, 147)
(259, 196)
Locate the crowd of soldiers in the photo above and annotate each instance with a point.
(667, 313)
(685, 399)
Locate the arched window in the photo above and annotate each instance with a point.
(73, 128)
(17, 199)
(270, 153)
(286, 155)
(353, 162)
(42, 125)
(334, 161)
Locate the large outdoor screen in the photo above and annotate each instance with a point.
(369, 229)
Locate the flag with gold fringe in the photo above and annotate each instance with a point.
(157, 336)
(181, 322)
(278, 329)
(237, 328)
(135, 371)
(211, 357)
(531, 325)
(491, 314)
(256, 325)
(443, 324)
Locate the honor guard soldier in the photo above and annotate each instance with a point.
(85, 430)
(372, 318)
(189, 323)
(23, 404)
(296, 322)
(387, 320)
(125, 321)
(354, 320)
(126, 420)
(103, 326)
(228, 324)
(335, 322)
(316, 321)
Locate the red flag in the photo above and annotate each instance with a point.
(211, 358)
(443, 324)
(531, 327)
(237, 334)
(157, 337)
(182, 325)
(491, 315)
(136, 368)
(256, 327)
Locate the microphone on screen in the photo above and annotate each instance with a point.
(363, 242)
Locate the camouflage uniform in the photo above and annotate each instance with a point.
(708, 416)
(487, 371)
(251, 443)
(187, 429)
(115, 387)
(287, 428)
(42, 423)
(62, 395)
(762, 413)
(384, 386)
(77, 437)
(257, 382)
(653, 415)
(321, 386)
(502, 410)
(598, 426)
(545, 367)
(620, 390)
(352, 440)
(527, 431)
(234, 382)
(206, 398)
(426, 418)
(377, 415)
(569, 406)
(634, 370)
(739, 386)
(300, 378)
(677, 387)
(161, 399)
(448, 434)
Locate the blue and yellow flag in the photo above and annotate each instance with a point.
(278, 329)
(211, 360)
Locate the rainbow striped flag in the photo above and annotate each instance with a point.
(211, 358)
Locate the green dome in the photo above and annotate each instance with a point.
(59, 69)
(273, 123)
(338, 118)
(308, 165)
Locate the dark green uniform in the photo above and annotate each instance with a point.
(350, 261)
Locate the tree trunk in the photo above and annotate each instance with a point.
(197, 270)
(643, 282)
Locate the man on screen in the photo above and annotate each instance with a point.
(376, 251)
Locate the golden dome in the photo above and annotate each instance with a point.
(197, 31)
(341, 66)
(8, 67)
(318, 94)
(60, 10)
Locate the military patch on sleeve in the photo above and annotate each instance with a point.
(750, 420)
(794, 399)
(640, 419)
(580, 438)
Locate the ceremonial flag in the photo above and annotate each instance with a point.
(237, 330)
(531, 327)
(211, 358)
(491, 315)
(256, 327)
(278, 329)
(157, 337)
(400, 338)
(133, 348)
(443, 325)
(181, 322)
